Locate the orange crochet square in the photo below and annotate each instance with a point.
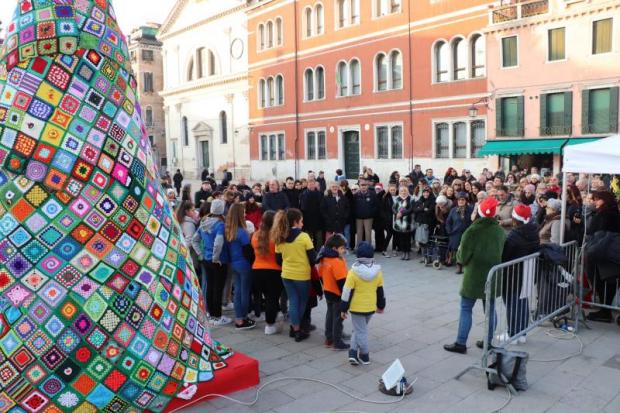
(84, 384)
(22, 210)
(82, 233)
(24, 144)
(55, 179)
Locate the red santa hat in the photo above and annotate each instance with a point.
(522, 213)
(488, 207)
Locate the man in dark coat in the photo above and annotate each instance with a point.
(366, 206)
(291, 192)
(321, 181)
(275, 200)
(310, 203)
(522, 240)
(178, 181)
(335, 211)
(481, 249)
(204, 175)
(203, 194)
(416, 175)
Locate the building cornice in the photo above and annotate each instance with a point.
(551, 18)
(201, 84)
(164, 36)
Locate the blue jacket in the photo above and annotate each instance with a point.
(456, 226)
(365, 205)
(211, 233)
(235, 249)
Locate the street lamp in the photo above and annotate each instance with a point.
(473, 109)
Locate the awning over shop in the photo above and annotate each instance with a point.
(522, 147)
(577, 141)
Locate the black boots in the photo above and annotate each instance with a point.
(455, 348)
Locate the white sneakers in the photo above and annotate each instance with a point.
(222, 321)
(228, 307)
(272, 329)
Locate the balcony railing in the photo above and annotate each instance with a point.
(555, 130)
(519, 10)
(509, 133)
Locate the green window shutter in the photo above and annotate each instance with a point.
(520, 116)
(543, 115)
(498, 117)
(568, 112)
(585, 111)
(613, 109)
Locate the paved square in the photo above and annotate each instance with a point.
(422, 315)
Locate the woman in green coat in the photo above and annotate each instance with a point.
(480, 250)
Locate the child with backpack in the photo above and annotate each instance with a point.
(362, 296)
(333, 272)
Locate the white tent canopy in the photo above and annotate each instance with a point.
(598, 157)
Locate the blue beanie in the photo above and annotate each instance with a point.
(365, 250)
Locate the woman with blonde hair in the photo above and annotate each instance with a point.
(241, 258)
(295, 252)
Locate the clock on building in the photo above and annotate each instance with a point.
(236, 48)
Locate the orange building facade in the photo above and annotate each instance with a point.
(381, 83)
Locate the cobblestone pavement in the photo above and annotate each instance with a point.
(421, 316)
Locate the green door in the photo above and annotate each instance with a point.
(351, 154)
(205, 154)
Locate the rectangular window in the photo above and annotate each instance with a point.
(148, 82)
(383, 149)
(460, 140)
(264, 148)
(397, 142)
(599, 115)
(281, 149)
(510, 52)
(557, 44)
(442, 140)
(478, 137)
(147, 55)
(273, 149)
(321, 145)
(311, 145)
(509, 124)
(555, 109)
(602, 36)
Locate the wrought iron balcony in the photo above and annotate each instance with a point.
(509, 133)
(519, 9)
(555, 130)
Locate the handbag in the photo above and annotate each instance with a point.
(509, 369)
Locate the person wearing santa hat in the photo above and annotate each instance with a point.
(481, 248)
(523, 240)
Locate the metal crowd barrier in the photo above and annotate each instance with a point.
(523, 294)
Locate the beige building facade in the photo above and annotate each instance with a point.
(147, 62)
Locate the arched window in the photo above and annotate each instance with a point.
(320, 82)
(308, 21)
(269, 34)
(190, 69)
(396, 68)
(442, 55)
(223, 127)
(381, 70)
(343, 79)
(355, 11)
(459, 59)
(309, 80)
(356, 81)
(185, 131)
(280, 89)
(271, 95)
(341, 6)
(318, 16)
(261, 93)
(261, 36)
(148, 116)
(211, 69)
(442, 140)
(478, 56)
(201, 59)
(279, 31)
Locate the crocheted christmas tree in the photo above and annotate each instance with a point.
(101, 309)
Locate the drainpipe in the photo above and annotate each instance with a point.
(410, 85)
(296, 94)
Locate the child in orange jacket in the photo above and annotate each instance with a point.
(333, 271)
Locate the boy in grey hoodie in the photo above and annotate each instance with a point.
(362, 296)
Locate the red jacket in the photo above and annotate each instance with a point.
(255, 217)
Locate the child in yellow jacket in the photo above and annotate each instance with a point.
(362, 296)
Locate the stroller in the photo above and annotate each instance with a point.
(436, 249)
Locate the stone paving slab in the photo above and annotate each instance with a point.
(421, 316)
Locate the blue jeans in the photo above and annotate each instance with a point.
(297, 292)
(465, 320)
(243, 288)
(517, 313)
(347, 233)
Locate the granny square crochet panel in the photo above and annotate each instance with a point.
(100, 307)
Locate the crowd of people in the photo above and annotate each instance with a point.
(282, 243)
